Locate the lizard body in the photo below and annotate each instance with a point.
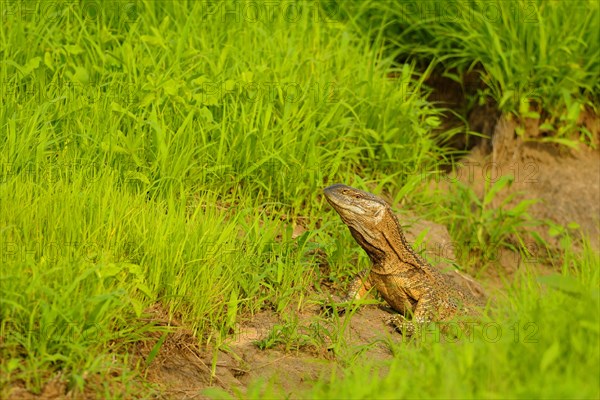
(406, 281)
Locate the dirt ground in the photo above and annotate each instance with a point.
(566, 181)
(182, 370)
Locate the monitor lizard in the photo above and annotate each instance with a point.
(406, 281)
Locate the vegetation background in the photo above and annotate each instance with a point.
(173, 154)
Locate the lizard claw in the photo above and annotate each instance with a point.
(401, 324)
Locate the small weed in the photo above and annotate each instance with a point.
(486, 225)
(292, 336)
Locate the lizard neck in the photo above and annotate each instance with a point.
(387, 246)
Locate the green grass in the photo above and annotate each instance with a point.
(537, 59)
(153, 154)
(484, 228)
(140, 167)
(246, 114)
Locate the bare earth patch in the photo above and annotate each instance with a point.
(566, 181)
(182, 369)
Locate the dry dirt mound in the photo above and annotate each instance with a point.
(566, 181)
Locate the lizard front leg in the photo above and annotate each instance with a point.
(359, 287)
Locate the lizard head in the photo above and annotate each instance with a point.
(375, 228)
(360, 210)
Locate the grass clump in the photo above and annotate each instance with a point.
(171, 111)
(485, 226)
(532, 56)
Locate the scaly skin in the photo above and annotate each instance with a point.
(408, 283)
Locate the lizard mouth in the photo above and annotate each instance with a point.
(346, 208)
(352, 200)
